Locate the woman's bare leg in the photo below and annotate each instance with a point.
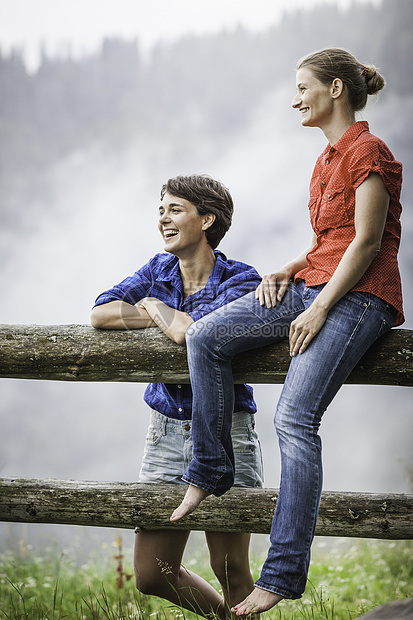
(158, 572)
(193, 497)
(229, 556)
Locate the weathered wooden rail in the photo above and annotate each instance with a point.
(128, 505)
(81, 353)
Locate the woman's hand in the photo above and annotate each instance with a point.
(172, 322)
(305, 327)
(272, 287)
(145, 301)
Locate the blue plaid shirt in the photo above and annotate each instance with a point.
(161, 278)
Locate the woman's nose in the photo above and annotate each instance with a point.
(296, 101)
(163, 218)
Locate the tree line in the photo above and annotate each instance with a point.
(199, 86)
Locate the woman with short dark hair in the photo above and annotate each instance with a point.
(173, 291)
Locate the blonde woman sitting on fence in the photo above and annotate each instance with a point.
(333, 301)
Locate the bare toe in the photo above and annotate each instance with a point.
(258, 601)
(193, 497)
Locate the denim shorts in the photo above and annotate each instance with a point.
(168, 450)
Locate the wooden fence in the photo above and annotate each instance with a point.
(80, 353)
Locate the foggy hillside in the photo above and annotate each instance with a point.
(85, 146)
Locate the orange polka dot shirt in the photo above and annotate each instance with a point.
(338, 172)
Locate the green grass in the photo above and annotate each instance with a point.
(347, 578)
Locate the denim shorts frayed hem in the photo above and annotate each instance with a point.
(168, 450)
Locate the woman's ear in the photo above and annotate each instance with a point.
(209, 219)
(337, 87)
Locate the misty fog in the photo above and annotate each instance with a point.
(88, 217)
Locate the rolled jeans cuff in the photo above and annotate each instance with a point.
(275, 590)
(220, 486)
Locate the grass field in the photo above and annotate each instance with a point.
(347, 578)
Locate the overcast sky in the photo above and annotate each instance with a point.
(27, 24)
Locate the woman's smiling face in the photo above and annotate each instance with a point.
(313, 99)
(180, 225)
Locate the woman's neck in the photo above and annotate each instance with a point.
(338, 127)
(196, 269)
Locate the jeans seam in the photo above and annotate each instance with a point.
(314, 513)
(349, 342)
(332, 374)
(220, 422)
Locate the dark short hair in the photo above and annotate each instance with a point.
(208, 196)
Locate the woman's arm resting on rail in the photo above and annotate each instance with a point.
(173, 323)
(120, 315)
(148, 312)
(372, 202)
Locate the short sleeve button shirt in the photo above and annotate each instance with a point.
(160, 278)
(338, 172)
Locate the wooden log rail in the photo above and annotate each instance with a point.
(81, 353)
(128, 505)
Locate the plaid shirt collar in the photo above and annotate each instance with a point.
(170, 273)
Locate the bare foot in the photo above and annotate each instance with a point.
(259, 600)
(193, 497)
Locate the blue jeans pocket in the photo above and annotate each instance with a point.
(154, 434)
(385, 327)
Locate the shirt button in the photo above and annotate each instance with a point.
(179, 387)
(323, 182)
(187, 427)
(327, 161)
(328, 195)
(375, 163)
(180, 409)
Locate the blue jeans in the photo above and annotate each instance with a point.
(313, 380)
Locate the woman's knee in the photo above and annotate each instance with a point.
(152, 576)
(199, 334)
(232, 579)
(157, 560)
(223, 573)
(145, 582)
(231, 571)
(285, 420)
(153, 582)
(297, 434)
